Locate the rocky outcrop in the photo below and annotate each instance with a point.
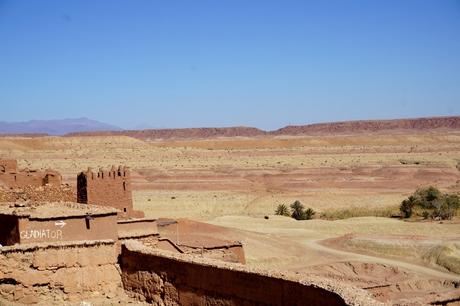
(366, 126)
(181, 133)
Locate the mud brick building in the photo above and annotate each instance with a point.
(12, 177)
(25, 223)
(108, 188)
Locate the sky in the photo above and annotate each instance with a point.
(267, 64)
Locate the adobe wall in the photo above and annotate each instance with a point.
(230, 253)
(7, 165)
(233, 253)
(197, 238)
(135, 228)
(168, 245)
(53, 273)
(68, 229)
(11, 176)
(108, 188)
(159, 277)
(158, 242)
(21, 179)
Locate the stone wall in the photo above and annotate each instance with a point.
(53, 273)
(47, 193)
(165, 278)
(108, 188)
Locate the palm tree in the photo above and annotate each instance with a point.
(282, 210)
(309, 213)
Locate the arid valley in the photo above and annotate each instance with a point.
(354, 182)
(230, 153)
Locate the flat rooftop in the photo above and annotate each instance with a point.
(51, 210)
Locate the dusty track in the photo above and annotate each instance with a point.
(349, 256)
(301, 247)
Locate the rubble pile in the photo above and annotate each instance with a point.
(47, 193)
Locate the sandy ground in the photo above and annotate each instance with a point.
(204, 179)
(235, 182)
(317, 247)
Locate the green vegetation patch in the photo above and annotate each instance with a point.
(296, 211)
(430, 203)
(354, 212)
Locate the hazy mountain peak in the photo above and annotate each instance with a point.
(56, 126)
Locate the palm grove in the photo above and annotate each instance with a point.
(296, 211)
(427, 203)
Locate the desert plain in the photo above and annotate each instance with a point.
(354, 182)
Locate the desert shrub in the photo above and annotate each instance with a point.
(407, 207)
(425, 214)
(430, 202)
(453, 201)
(309, 213)
(298, 212)
(409, 162)
(282, 210)
(427, 197)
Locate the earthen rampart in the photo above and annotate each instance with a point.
(52, 274)
(166, 278)
(108, 188)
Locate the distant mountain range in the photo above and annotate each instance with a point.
(334, 128)
(55, 127)
(88, 127)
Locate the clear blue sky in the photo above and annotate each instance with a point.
(228, 62)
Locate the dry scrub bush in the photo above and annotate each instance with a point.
(353, 212)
